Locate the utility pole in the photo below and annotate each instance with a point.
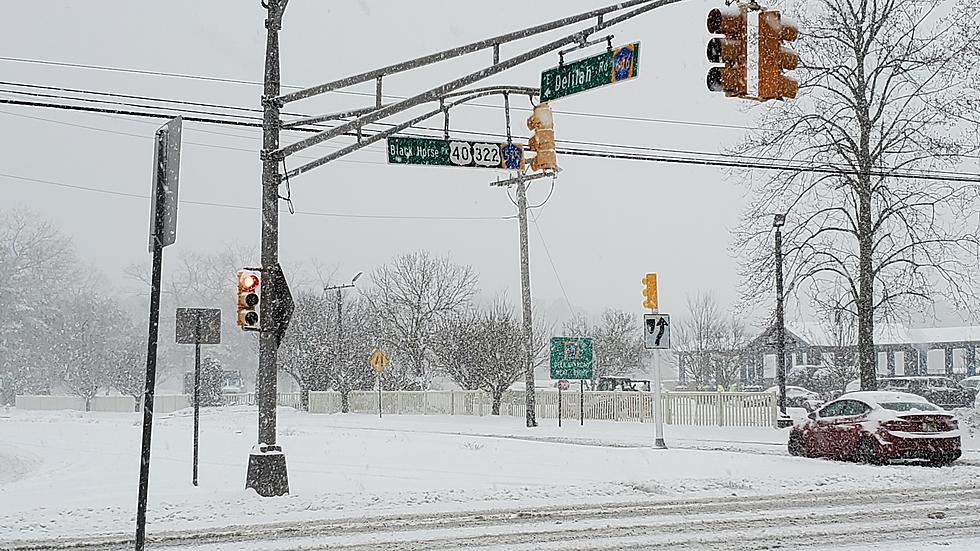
(340, 326)
(784, 420)
(526, 300)
(267, 464)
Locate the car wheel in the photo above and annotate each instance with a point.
(943, 459)
(867, 452)
(795, 446)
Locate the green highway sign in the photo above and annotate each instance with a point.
(410, 150)
(609, 67)
(571, 358)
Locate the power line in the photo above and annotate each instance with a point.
(246, 207)
(361, 94)
(695, 157)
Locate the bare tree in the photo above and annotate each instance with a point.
(697, 336)
(37, 262)
(484, 349)
(617, 342)
(411, 295)
(883, 93)
(126, 367)
(304, 353)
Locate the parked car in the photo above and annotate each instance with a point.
(799, 397)
(876, 427)
(626, 384)
(941, 391)
(971, 383)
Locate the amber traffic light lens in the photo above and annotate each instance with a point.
(251, 300)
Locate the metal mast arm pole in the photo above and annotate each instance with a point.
(439, 91)
(455, 52)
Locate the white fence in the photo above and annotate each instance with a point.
(727, 409)
(118, 404)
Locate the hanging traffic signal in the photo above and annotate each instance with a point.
(650, 292)
(542, 123)
(730, 50)
(249, 283)
(774, 57)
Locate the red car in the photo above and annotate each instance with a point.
(876, 427)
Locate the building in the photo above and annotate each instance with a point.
(950, 351)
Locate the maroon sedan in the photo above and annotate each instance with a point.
(876, 427)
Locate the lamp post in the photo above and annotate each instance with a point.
(784, 420)
(340, 317)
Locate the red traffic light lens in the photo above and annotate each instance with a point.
(249, 282)
(714, 21)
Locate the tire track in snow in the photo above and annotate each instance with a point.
(800, 506)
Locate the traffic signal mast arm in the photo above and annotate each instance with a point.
(639, 7)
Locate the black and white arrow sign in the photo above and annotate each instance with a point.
(656, 331)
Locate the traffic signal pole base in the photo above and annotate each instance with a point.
(660, 444)
(267, 472)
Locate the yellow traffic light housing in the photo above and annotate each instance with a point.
(650, 292)
(249, 288)
(542, 123)
(774, 57)
(730, 50)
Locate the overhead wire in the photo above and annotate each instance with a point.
(693, 157)
(246, 207)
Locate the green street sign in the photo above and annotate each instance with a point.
(609, 67)
(571, 358)
(409, 150)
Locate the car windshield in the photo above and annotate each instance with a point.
(970, 383)
(908, 406)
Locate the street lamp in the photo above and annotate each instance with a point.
(784, 420)
(340, 318)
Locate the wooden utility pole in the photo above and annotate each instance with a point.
(526, 300)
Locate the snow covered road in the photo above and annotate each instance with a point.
(812, 520)
(417, 482)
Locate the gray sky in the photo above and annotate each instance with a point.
(606, 224)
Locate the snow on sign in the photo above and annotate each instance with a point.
(406, 150)
(378, 361)
(656, 331)
(609, 67)
(571, 358)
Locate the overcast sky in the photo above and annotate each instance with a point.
(605, 225)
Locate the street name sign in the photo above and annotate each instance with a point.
(656, 331)
(571, 358)
(410, 150)
(609, 67)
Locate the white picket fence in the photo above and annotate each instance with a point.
(726, 409)
(165, 403)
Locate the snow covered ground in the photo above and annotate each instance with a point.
(71, 474)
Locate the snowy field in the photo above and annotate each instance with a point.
(72, 474)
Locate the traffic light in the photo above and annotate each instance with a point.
(730, 50)
(542, 123)
(774, 57)
(249, 283)
(650, 292)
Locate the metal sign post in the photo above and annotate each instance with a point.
(378, 362)
(163, 232)
(656, 337)
(198, 326)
